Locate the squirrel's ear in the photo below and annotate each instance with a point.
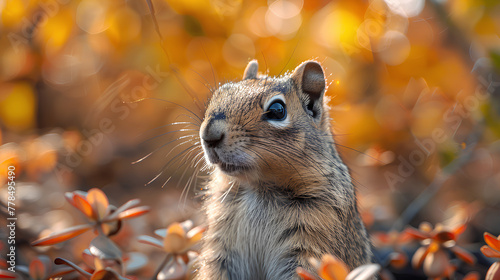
(310, 80)
(251, 70)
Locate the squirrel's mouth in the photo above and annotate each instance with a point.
(227, 168)
(232, 169)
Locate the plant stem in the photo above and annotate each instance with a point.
(167, 259)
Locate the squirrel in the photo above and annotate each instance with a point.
(279, 193)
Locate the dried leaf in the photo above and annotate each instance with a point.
(64, 235)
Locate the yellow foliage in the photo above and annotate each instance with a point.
(17, 106)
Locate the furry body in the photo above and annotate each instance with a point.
(279, 193)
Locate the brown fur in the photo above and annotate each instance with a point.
(290, 196)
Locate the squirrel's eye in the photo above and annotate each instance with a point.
(276, 111)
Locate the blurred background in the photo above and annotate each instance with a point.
(89, 87)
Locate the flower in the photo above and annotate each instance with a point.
(178, 239)
(492, 250)
(432, 255)
(104, 218)
(332, 268)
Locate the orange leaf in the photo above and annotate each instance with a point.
(473, 275)
(64, 235)
(304, 274)
(84, 206)
(332, 268)
(37, 269)
(127, 205)
(492, 241)
(382, 237)
(398, 259)
(463, 255)
(99, 202)
(459, 229)
(490, 253)
(404, 237)
(70, 197)
(134, 212)
(7, 274)
(416, 234)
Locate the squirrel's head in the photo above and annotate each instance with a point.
(264, 126)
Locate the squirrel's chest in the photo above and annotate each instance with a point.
(257, 220)
(251, 229)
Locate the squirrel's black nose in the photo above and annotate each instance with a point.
(213, 139)
(212, 133)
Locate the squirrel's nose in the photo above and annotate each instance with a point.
(213, 138)
(212, 133)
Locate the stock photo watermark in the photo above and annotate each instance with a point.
(452, 118)
(29, 25)
(121, 105)
(11, 218)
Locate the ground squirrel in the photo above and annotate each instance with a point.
(279, 193)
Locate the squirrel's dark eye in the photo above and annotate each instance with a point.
(276, 111)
